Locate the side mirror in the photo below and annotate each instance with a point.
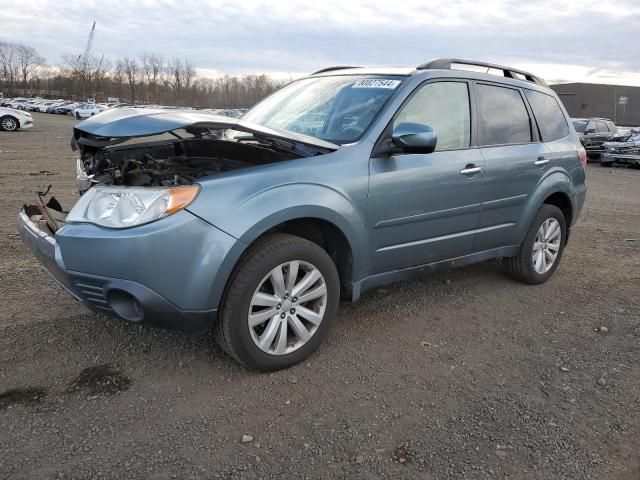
(414, 137)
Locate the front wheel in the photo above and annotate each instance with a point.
(9, 123)
(78, 116)
(278, 304)
(542, 248)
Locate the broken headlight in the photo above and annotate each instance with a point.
(122, 207)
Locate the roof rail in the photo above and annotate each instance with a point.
(446, 63)
(330, 69)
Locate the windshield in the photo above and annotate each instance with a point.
(336, 109)
(580, 125)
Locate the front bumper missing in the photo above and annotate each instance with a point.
(123, 299)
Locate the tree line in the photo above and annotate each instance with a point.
(147, 79)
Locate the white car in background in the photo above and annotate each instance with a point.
(43, 106)
(86, 110)
(11, 119)
(18, 103)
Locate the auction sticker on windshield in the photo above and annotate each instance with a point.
(376, 83)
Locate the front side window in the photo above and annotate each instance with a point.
(504, 117)
(548, 113)
(602, 127)
(336, 108)
(444, 106)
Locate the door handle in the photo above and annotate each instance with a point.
(540, 162)
(470, 170)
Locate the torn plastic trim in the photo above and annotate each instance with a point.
(51, 212)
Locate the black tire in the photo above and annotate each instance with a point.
(605, 164)
(78, 116)
(7, 125)
(521, 266)
(232, 331)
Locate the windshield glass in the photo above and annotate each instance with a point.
(336, 109)
(580, 125)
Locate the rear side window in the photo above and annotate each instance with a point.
(548, 113)
(504, 117)
(444, 106)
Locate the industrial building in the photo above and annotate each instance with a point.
(617, 102)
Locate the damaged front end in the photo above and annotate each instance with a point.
(194, 146)
(622, 150)
(168, 151)
(127, 179)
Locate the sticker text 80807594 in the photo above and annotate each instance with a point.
(376, 83)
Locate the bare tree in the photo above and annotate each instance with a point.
(131, 71)
(151, 65)
(147, 79)
(28, 59)
(9, 65)
(175, 79)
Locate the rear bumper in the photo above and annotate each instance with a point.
(119, 298)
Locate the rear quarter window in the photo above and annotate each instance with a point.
(551, 121)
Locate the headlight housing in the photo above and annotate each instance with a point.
(123, 207)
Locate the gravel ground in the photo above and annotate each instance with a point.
(462, 375)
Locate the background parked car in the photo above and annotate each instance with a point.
(18, 103)
(11, 119)
(51, 107)
(66, 108)
(593, 132)
(86, 110)
(43, 106)
(622, 149)
(31, 105)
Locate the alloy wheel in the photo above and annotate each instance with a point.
(9, 124)
(546, 245)
(287, 307)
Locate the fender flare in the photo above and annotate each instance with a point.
(555, 181)
(269, 208)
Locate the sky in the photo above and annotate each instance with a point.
(570, 40)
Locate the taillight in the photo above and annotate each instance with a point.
(582, 156)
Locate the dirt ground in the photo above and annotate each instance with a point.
(462, 375)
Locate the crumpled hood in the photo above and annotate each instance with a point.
(140, 122)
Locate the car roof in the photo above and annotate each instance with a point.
(449, 67)
(332, 71)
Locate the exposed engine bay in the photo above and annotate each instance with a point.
(169, 163)
(114, 152)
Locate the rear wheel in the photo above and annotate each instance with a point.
(278, 303)
(542, 248)
(9, 123)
